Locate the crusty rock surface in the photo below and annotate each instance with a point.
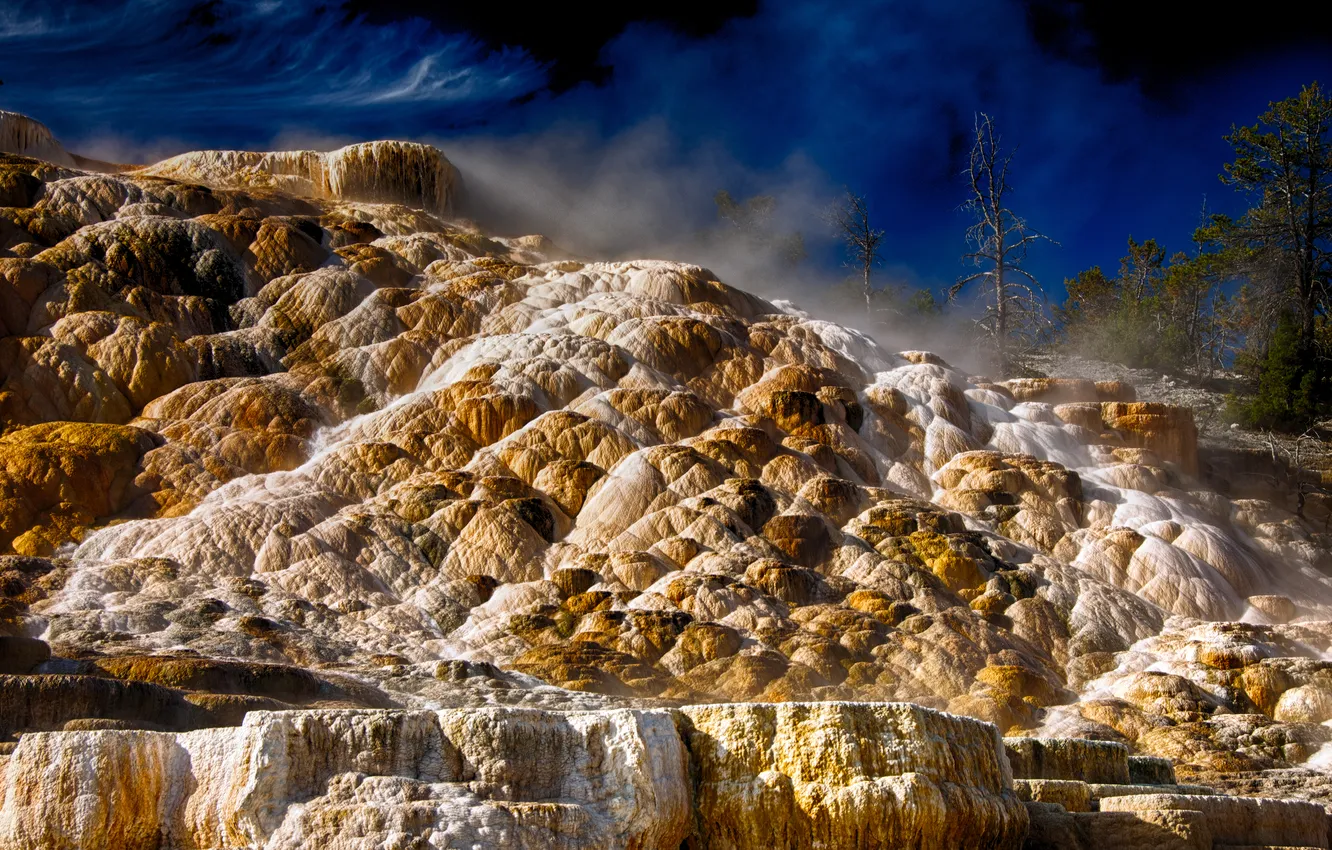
(1239, 820)
(847, 775)
(280, 410)
(737, 776)
(1068, 759)
(394, 172)
(26, 136)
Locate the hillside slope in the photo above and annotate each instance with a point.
(262, 451)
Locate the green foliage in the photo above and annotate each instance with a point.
(1167, 316)
(1142, 269)
(1284, 162)
(1291, 390)
(1091, 297)
(1276, 259)
(1281, 249)
(923, 302)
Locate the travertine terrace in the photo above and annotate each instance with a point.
(327, 519)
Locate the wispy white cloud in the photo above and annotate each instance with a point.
(229, 71)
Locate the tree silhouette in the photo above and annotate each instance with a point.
(1014, 315)
(849, 217)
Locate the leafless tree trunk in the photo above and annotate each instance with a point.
(849, 217)
(999, 240)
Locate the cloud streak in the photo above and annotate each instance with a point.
(233, 73)
(876, 95)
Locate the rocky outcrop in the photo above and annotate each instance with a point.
(377, 172)
(156, 692)
(1068, 810)
(880, 775)
(1236, 820)
(1163, 429)
(797, 776)
(1069, 390)
(26, 136)
(1068, 759)
(59, 478)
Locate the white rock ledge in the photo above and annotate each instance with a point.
(831, 774)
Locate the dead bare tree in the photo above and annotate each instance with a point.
(1292, 467)
(1014, 313)
(849, 217)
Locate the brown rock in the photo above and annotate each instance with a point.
(60, 478)
(1164, 429)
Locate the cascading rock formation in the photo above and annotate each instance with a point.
(329, 521)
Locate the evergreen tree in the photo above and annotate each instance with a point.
(1285, 162)
(1282, 249)
(1168, 316)
(1290, 392)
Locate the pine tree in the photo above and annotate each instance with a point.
(1285, 162)
(1290, 393)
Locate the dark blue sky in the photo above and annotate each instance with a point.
(797, 97)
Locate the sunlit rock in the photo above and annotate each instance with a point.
(266, 413)
(60, 478)
(1166, 430)
(26, 136)
(857, 788)
(377, 172)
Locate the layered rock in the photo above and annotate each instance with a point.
(1163, 429)
(1069, 809)
(25, 136)
(847, 775)
(834, 774)
(378, 172)
(795, 775)
(1237, 820)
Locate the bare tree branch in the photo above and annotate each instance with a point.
(1015, 316)
(849, 218)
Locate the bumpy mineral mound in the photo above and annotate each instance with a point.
(269, 443)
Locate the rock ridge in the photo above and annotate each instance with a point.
(376, 172)
(26, 136)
